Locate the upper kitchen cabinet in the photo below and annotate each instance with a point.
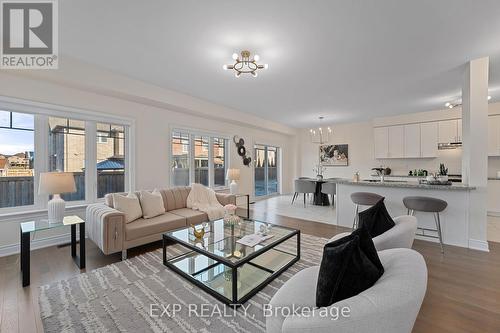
(494, 136)
(406, 141)
(429, 139)
(450, 131)
(381, 142)
(389, 142)
(396, 141)
(412, 141)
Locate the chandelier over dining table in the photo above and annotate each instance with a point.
(321, 134)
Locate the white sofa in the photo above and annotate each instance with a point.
(399, 236)
(390, 306)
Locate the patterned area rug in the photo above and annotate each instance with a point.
(121, 298)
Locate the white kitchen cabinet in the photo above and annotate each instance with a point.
(429, 139)
(381, 142)
(494, 136)
(459, 130)
(396, 142)
(448, 131)
(493, 196)
(412, 141)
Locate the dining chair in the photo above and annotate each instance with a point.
(329, 189)
(303, 186)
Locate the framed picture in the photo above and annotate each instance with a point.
(334, 155)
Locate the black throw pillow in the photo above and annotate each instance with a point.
(376, 219)
(349, 266)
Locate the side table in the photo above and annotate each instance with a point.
(33, 226)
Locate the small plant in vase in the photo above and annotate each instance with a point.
(319, 169)
(230, 217)
(443, 173)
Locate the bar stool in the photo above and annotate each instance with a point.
(363, 199)
(427, 205)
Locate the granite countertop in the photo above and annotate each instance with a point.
(454, 187)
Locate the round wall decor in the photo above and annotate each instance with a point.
(242, 151)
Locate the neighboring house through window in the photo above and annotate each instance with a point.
(198, 158)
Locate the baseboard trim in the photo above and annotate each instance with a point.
(479, 245)
(8, 250)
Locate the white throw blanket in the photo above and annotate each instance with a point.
(203, 199)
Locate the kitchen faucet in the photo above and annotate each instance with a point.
(380, 172)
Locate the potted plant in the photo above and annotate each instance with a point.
(443, 173)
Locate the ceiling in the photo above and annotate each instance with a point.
(347, 60)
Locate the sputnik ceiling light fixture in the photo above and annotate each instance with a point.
(320, 135)
(450, 105)
(245, 64)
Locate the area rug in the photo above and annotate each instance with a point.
(142, 295)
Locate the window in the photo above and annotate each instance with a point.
(102, 139)
(207, 165)
(180, 159)
(110, 159)
(96, 152)
(201, 159)
(219, 158)
(16, 159)
(67, 152)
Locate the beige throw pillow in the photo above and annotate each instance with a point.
(129, 205)
(152, 204)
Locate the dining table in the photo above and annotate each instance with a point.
(320, 199)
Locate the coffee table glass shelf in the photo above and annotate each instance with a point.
(230, 271)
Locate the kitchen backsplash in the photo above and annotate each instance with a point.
(452, 158)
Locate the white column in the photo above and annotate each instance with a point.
(475, 147)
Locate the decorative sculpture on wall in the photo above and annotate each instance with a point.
(242, 151)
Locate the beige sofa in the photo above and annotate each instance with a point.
(107, 228)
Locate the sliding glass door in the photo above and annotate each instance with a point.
(266, 170)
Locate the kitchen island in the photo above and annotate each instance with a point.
(454, 219)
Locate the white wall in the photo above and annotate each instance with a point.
(154, 116)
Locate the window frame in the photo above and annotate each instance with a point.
(192, 133)
(42, 112)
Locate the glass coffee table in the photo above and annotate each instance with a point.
(230, 271)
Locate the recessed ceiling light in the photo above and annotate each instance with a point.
(489, 97)
(447, 104)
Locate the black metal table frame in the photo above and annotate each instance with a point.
(248, 203)
(25, 251)
(234, 266)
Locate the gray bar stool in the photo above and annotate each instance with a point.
(427, 205)
(363, 199)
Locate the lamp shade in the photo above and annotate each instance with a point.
(56, 183)
(233, 174)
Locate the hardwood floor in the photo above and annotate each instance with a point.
(463, 293)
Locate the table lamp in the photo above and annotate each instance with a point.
(233, 175)
(56, 183)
